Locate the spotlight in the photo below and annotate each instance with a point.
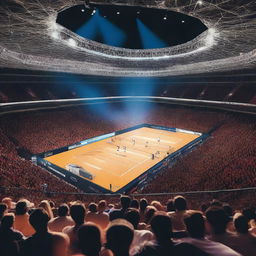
(183, 21)
(165, 18)
(93, 12)
(138, 12)
(83, 10)
(118, 13)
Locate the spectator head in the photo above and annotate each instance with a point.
(218, 219)
(77, 212)
(149, 213)
(241, 223)
(157, 205)
(7, 221)
(111, 206)
(92, 207)
(204, 207)
(216, 202)
(21, 207)
(89, 239)
(119, 236)
(125, 202)
(3, 209)
(135, 204)
(228, 209)
(39, 220)
(60, 244)
(102, 205)
(249, 213)
(8, 202)
(63, 210)
(161, 225)
(143, 204)
(195, 224)
(133, 216)
(46, 206)
(115, 214)
(170, 206)
(52, 204)
(180, 203)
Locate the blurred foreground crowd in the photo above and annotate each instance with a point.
(130, 228)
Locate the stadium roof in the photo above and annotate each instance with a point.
(31, 39)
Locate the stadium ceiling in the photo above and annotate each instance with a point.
(31, 39)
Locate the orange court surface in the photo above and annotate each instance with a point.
(116, 161)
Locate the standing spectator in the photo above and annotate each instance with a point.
(57, 224)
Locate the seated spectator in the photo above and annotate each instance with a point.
(119, 213)
(218, 221)
(58, 223)
(92, 211)
(149, 213)
(89, 239)
(6, 229)
(9, 238)
(3, 210)
(143, 206)
(246, 243)
(180, 205)
(161, 226)
(41, 243)
(21, 222)
(101, 218)
(119, 237)
(195, 226)
(140, 236)
(77, 212)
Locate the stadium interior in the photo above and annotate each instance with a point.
(74, 72)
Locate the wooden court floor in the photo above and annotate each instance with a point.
(121, 159)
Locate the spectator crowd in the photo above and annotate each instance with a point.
(129, 228)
